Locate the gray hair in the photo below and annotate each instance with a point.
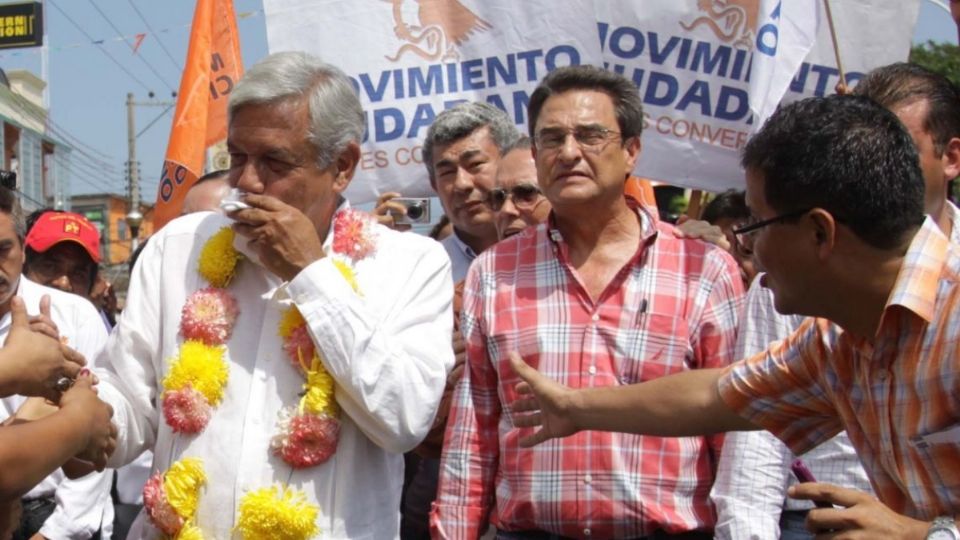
(458, 122)
(336, 118)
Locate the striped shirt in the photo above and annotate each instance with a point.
(673, 307)
(897, 394)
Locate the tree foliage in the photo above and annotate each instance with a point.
(944, 58)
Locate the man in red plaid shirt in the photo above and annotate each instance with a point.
(603, 294)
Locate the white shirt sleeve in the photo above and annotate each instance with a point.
(754, 468)
(83, 505)
(128, 363)
(389, 358)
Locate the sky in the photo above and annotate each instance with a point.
(88, 83)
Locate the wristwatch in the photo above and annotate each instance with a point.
(943, 528)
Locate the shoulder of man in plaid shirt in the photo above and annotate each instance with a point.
(674, 307)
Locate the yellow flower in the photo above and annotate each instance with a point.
(290, 321)
(348, 274)
(182, 483)
(318, 390)
(218, 258)
(200, 366)
(277, 513)
(189, 532)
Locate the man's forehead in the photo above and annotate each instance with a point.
(584, 106)
(755, 183)
(517, 166)
(476, 142)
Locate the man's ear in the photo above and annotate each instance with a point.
(346, 164)
(824, 229)
(951, 159)
(632, 148)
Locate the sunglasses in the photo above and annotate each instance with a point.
(524, 196)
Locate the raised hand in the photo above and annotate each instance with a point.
(859, 515)
(98, 434)
(43, 323)
(31, 362)
(388, 210)
(284, 238)
(544, 404)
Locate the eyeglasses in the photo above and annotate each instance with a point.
(590, 139)
(524, 196)
(744, 235)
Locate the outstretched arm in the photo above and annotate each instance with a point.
(680, 405)
(32, 450)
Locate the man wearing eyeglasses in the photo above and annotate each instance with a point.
(602, 294)
(837, 180)
(754, 470)
(517, 201)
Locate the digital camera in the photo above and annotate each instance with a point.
(418, 210)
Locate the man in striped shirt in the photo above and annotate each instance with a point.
(601, 295)
(836, 192)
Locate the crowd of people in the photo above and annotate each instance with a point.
(559, 363)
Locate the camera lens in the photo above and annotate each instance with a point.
(415, 211)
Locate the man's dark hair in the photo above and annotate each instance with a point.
(626, 98)
(730, 204)
(844, 154)
(901, 84)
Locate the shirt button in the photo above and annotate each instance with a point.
(595, 318)
(586, 532)
(587, 479)
(592, 370)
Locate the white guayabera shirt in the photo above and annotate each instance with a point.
(388, 350)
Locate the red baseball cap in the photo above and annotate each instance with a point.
(52, 228)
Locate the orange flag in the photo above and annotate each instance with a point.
(213, 68)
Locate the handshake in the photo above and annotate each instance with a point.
(63, 423)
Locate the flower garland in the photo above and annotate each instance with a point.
(278, 513)
(307, 433)
(170, 498)
(198, 375)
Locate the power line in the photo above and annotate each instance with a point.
(154, 121)
(26, 108)
(110, 56)
(132, 48)
(152, 32)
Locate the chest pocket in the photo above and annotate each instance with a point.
(658, 345)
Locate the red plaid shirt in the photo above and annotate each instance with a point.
(673, 307)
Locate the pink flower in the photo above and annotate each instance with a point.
(353, 234)
(306, 440)
(162, 515)
(298, 345)
(186, 410)
(209, 316)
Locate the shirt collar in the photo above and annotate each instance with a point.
(919, 278)
(649, 222)
(954, 214)
(464, 248)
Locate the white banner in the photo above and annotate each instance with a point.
(692, 61)
(411, 60)
(786, 33)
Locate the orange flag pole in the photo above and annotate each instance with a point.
(212, 69)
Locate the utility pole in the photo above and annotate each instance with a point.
(134, 217)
